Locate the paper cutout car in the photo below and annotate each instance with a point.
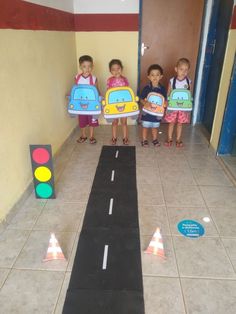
(155, 104)
(180, 99)
(120, 102)
(84, 100)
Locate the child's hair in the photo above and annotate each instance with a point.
(85, 58)
(115, 61)
(155, 67)
(183, 61)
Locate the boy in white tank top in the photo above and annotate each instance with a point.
(86, 77)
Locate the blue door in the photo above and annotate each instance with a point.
(217, 39)
(227, 144)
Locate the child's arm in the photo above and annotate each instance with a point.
(143, 102)
(169, 89)
(96, 84)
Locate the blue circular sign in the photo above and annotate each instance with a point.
(191, 228)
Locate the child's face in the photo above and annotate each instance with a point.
(155, 76)
(182, 71)
(116, 70)
(86, 68)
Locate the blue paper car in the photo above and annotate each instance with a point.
(84, 100)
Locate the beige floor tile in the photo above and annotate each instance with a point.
(210, 176)
(11, 243)
(194, 148)
(30, 292)
(3, 275)
(202, 257)
(216, 196)
(177, 195)
(73, 253)
(35, 250)
(177, 176)
(230, 246)
(149, 194)
(203, 161)
(225, 220)
(74, 192)
(170, 161)
(77, 173)
(62, 296)
(163, 296)
(148, 175)
(152, 217)
(153, 265)
(60, 216)
(209, 296)
(177, 214)
(25, 219)
(145, 157)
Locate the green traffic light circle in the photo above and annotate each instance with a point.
(44, 190)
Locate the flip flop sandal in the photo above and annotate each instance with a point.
(113, 141)
(168, 143)
(179, 144)
(144, 143)
(81, 139)
(92, 140)
(125, 141)
(156, 143)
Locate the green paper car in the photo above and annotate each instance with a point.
(180, 99)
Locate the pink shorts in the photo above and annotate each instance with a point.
(87, 120)
(177, 117)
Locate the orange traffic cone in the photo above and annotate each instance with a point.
(54, 251)
(156, 245)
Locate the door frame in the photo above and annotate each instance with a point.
(200, 58)
(228, 129)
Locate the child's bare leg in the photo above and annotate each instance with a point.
(91, 134)
(144, 133)
(144, 137)
(154, 134)
(91, 131)
(179, 129)
(124, 127)
(114, 128)
(83, 132)
(170, 130)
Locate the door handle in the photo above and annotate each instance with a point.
(143, 48)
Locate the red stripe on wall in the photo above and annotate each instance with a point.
(233, 22)
(16, 14)
(106, 22)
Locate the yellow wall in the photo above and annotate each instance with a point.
(223, 88)
(37, 69)
(104, 46)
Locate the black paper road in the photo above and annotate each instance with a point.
(107, 276)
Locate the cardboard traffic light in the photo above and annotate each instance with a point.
(42, 168)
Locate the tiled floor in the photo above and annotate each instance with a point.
(197, 276)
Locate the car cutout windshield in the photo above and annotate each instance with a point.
(119, 97)
(180, 95)
(84, 94)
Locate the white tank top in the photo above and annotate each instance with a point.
(80, 79)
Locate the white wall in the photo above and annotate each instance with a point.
(91, 6)
(106, 6)
(64, 5)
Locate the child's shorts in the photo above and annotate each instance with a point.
(177, 117)
(149, 124)
(85, 120)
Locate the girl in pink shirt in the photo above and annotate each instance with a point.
(117, 80)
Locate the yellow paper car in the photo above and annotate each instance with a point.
(120, 102)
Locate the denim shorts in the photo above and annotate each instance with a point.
(149, 124)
